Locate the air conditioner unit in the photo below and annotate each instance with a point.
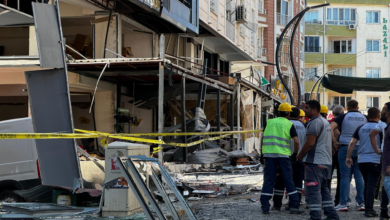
(241, 15)
(352, 27)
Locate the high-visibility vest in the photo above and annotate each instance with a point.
(277, 137)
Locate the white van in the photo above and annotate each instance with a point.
(19, 168)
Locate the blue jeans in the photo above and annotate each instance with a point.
(346, 175)
(386, 185)
(270, 170)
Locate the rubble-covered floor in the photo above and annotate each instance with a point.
(235, 207)
(233, 201)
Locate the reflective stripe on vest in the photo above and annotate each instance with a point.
(277, 137)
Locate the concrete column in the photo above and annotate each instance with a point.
(161, 94)
(189, 52)
(105, 111)
(32, 46)
(238, 114)
(114, 40)
(29, 109)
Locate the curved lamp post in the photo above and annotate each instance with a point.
(289, 33)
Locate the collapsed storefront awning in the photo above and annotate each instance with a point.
(12, 17)
(346, 84)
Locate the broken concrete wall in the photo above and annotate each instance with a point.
(249, 113)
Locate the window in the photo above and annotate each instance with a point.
(372, 102)
(372, 72)
(310, 74)
(282, 7)
(340, 16)
(372, 17)
(282, 10)
(312, 44)
(372, 46)
(214, 6)
(228, 15)
(341, 100)
(343, 72)
(261, 7)
(307, 97)
(311, 17)
(342, 46)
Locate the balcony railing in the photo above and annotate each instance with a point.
(312, 49)
(314, 21)
(230, 30)
(340, 22)
(283, 19)
(261, 52)
(261, 8)
(262, 11)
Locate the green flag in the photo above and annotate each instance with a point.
(263, 80)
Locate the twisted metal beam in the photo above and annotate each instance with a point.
(290, 30)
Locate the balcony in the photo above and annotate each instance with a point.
(282, 19)
(314, 21)
(331, 58)
(230, 30)
(312, 49)
(340, 22)
(331, 30)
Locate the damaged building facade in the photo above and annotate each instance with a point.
(148, 66)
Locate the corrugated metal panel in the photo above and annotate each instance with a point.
(48, 33)
(50, 109)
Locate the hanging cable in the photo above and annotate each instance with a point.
(94, 93)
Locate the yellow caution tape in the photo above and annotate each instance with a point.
(104, 142)
(46, 136)
(128, 137)
(186, 133)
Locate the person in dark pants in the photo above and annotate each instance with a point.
(275, 145)
(368, 159)
(316, 154)
(384, 215)
(297, 166)
(382, 127)
(337, 111)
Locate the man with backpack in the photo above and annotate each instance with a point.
(348, 124)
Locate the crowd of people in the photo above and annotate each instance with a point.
(300, 155)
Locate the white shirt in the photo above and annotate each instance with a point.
(381, 128)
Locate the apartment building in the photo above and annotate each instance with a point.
(347, 39)
(272, 18)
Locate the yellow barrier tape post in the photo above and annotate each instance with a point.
(104, 142)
